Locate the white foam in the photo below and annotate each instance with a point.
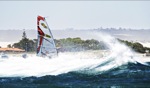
(67, 62)
(38, 66)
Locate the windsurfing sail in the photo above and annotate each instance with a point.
(46, 45)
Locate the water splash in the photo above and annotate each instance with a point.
(37, 66)
(84, 62)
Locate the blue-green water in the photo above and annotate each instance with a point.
(129, 75)
(118, 67)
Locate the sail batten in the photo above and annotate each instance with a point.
(46, 45)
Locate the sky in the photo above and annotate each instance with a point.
(75, 14)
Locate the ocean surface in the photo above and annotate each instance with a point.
(117, 67)
(76, 72)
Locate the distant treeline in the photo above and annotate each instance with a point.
(74, 44)
(67, 44)
(77, 44)
(135, 46)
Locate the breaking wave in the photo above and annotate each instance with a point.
(88, 62)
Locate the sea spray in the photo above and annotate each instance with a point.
(83, 62)
(119, 55)
(117, 49)
(38, 66)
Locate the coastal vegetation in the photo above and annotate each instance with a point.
(74, 44)
(136, 46)
(77, 44)
(25, 44)
(67, 44)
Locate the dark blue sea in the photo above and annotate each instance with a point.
(131, 75)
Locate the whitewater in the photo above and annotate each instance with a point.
(84, 62)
